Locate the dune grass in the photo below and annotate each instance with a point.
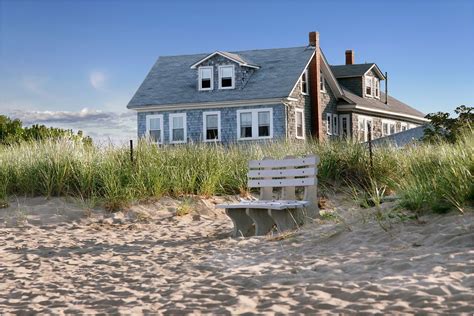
(437, 177)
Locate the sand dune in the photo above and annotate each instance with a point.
(58, 257)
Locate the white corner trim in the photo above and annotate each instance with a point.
(301, 74)
(204, 126)
(185, 133)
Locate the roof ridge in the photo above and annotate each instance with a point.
(234, 52)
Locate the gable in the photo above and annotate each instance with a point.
(172, 81)
(232, 57)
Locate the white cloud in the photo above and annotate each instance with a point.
(116, 127)
(97, 79)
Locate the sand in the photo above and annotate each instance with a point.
(59, 257)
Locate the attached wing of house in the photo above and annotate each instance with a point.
(285, 93)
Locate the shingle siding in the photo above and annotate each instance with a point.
(194, 122)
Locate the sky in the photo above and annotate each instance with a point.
(76, 64)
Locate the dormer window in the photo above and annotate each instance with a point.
(304, 82)
(206, 78)
(368, 85)
(376, 87)
(226, 77)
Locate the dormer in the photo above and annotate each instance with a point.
(223, 71)
(360, 79)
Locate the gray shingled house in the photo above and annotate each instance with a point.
(284, 93)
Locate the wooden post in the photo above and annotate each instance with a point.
(131, 150)
(386, 88)
(370, 148)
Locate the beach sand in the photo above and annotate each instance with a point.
(58, 256)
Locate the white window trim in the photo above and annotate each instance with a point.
(366, 132)
(323, 82)
(255, 123)
(389, 123)
(204, 126)
(376, 87)
(302, 123)
(371, 86)
(335, 127)
(170, 118)
(147, 130)
(305, 73)
(329, 126)
(341, 117)
(233, 77)
(200, 78)
(403, 124)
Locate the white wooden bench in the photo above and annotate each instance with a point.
(258, 217)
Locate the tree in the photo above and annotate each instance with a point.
(12, 131)
(444, 128)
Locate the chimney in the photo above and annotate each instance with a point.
(312, 39)
(315, 94)
(349, 57)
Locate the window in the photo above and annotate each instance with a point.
(322, 82)
(206, 78)
(368, 85)
(335, 124)
(211, 126)
(304, 82)
(376, 86)
(365, 125)
(388, 127)
(404, 127)
(329, 123)
(226, 77)
(299, 123)
(255, 124)
(344, 125)
(154, 128)
(246, 125)
(178, 128)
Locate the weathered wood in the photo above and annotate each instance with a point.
(283, 163)
(275, 205)
(243, 224)
(298, 182)
(263, 222)
(279, 173)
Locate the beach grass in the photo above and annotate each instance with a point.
(425, 176)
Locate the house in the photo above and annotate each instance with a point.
(266, 94)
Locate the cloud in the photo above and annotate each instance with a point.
(35, 84)
(97, 79)
(116, 127)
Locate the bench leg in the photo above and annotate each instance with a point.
(288, 219)
(243, 224)
(263, 221)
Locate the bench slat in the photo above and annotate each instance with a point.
(282, 173)
(274, 205)
(297, 162)
(299, 182)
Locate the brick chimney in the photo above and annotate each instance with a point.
(315, 94)
(349, 57)
(312, 38)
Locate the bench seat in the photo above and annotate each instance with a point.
(266, 204)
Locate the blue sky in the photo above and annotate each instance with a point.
(76, 64)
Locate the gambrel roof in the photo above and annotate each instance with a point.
(172, 81)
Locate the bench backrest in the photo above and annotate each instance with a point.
(286, 173)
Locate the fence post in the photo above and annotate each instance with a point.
(370, 148)
(131, 150)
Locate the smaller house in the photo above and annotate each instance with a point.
(266, 94)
